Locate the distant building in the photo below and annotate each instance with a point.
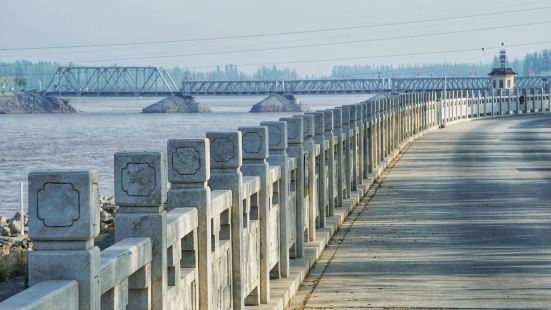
(503, 77)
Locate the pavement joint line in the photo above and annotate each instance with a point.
(347, 227)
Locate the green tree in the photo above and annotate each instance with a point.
(20, 83)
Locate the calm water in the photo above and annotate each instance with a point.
(106, 126)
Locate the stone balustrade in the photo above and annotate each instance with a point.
(234, 220)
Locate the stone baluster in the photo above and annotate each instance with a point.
(188, 173)
(63, 222)
(380, 131)
(365, 140)
(310, 173)
(339, 158)
(225, 174)
(354, 132)
(321, 192)
(140, 192)
(295, 139)
(277, 141)
(255, 154)
(331, 161)
(347, 150)
(360, 143)
(371, 137)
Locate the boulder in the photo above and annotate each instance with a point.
(15, 227)
(5, 231)
(3, 221)
(21, 103)
(177, 104)
(280, 103)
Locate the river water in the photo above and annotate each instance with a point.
(108, 125)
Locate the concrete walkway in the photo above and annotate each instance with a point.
(462, 220)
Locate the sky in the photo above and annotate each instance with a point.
(38, 23)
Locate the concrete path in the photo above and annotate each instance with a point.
(462, 220)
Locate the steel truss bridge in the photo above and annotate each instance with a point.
(349, 86)
(156, 81)
(111, 81)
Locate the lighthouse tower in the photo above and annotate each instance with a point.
(503, 77)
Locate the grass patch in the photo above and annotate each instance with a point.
(13, 265)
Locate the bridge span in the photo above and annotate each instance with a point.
(237, 220)
(156, 81)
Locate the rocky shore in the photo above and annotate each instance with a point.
(177, 104)
(280, 103)
(28, 103)
(12, 241)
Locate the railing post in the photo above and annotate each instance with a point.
(295, 149)
(310, 175)
(365, 139)
(140, 192)
(225, 174)
(339, 175)
(331, 161)
(63, 222)
(371, 137)
(277, 133)
(188, 173)
(347, 150)
(255, 153)
(354, 147)
(321, 163)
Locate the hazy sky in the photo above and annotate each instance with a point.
(38, 23)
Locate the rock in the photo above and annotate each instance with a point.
(15, 227)
(19, 103)
(17, 216)
(177, 104)
(3, 221)
(5, 231)
(280, 103)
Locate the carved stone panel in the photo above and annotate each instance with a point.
(337, 118)
(255, 142)
(225, 149)
(140, 179)
(277, 135)
(328, 120)
(294, 129)
(188, 160)
(63, 205)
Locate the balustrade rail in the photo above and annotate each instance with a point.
(214, 223)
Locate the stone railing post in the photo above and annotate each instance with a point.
(310, 174)
(359, 142)
(365, 139)
(277, 141)
(140, 192)
(321, 163)
(347, 150)
(331, 161)
(295, 149)
(63, 222)
(188, 173)
(354, 175)
(225, 174)
(255, 153)
(339, 158)
(371, 137)
(380, 131)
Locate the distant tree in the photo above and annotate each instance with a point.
(20, 83)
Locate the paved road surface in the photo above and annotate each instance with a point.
(463, 220)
